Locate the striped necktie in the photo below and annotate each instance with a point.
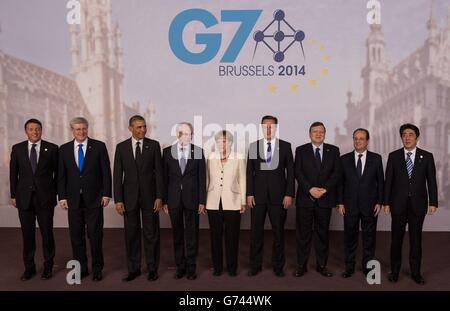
(409, 164)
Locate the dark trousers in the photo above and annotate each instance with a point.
(221, 221)
(312, 224)
(277, 217)
(80, 219)
(150, 226)
(398, 227)
(44, 216)
(185, 228)
(368, 233)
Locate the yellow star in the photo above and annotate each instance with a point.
(324, 72)
(272, 88)
(312, 82)
(293, 87)
(322, 48)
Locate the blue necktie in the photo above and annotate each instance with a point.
(80, 157)
(409, 164)
(269, 153)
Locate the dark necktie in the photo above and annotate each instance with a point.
(359, 166)
(138, 153)
(33, 158)
(318, 158)
(269, 153)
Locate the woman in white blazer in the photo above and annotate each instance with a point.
(225, 201)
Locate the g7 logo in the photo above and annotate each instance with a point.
(212, 41)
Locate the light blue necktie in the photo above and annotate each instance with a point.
(409, 164)
(80, 157)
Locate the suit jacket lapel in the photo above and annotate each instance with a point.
(190, 159)
(42, 154)
(417, 161)
(367, 165)
(174, 157)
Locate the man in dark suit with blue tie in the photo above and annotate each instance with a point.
(270, 189)
(410, 193)
(185, 197)
(84, 188)
(33, 175)
(360, 196)
(317, 170)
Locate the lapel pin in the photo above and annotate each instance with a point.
(45, 149)
(421, 156)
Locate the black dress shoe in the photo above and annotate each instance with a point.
(131, 276)
(232, 273)
(152, 276)
(418, 279)
(191, 276)
(254, 271)
(217, 273)
(301, 270)
(179, 274)
(97, 276)
(393, 277)
(324, 271)
(47, 274)
(28, 274)
(279, 273)
(348, 273)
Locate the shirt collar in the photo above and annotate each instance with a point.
(320, 147)
(134, 140)
(186, 147)
(364, 153)
(413, 152)
(84, 143)
(38, 143)
(272, 141)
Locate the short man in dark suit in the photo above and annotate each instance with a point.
(33, 176)
(138, 189)
(360, 196)
(410, 193)
(270, 189)
(185, 197)
(317, 170)
(84, 188)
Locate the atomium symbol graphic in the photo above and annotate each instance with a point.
(279, 36)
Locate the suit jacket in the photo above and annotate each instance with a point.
(308, 175)
(189, 187)
(43, 182)
(131, 180)
(270, 184)
(94, 181)
(226, 182)
(361, 194)
(399, 187)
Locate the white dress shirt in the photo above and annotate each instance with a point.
(134, 142)
(75, 144)
(363, 160)
(38, 148)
